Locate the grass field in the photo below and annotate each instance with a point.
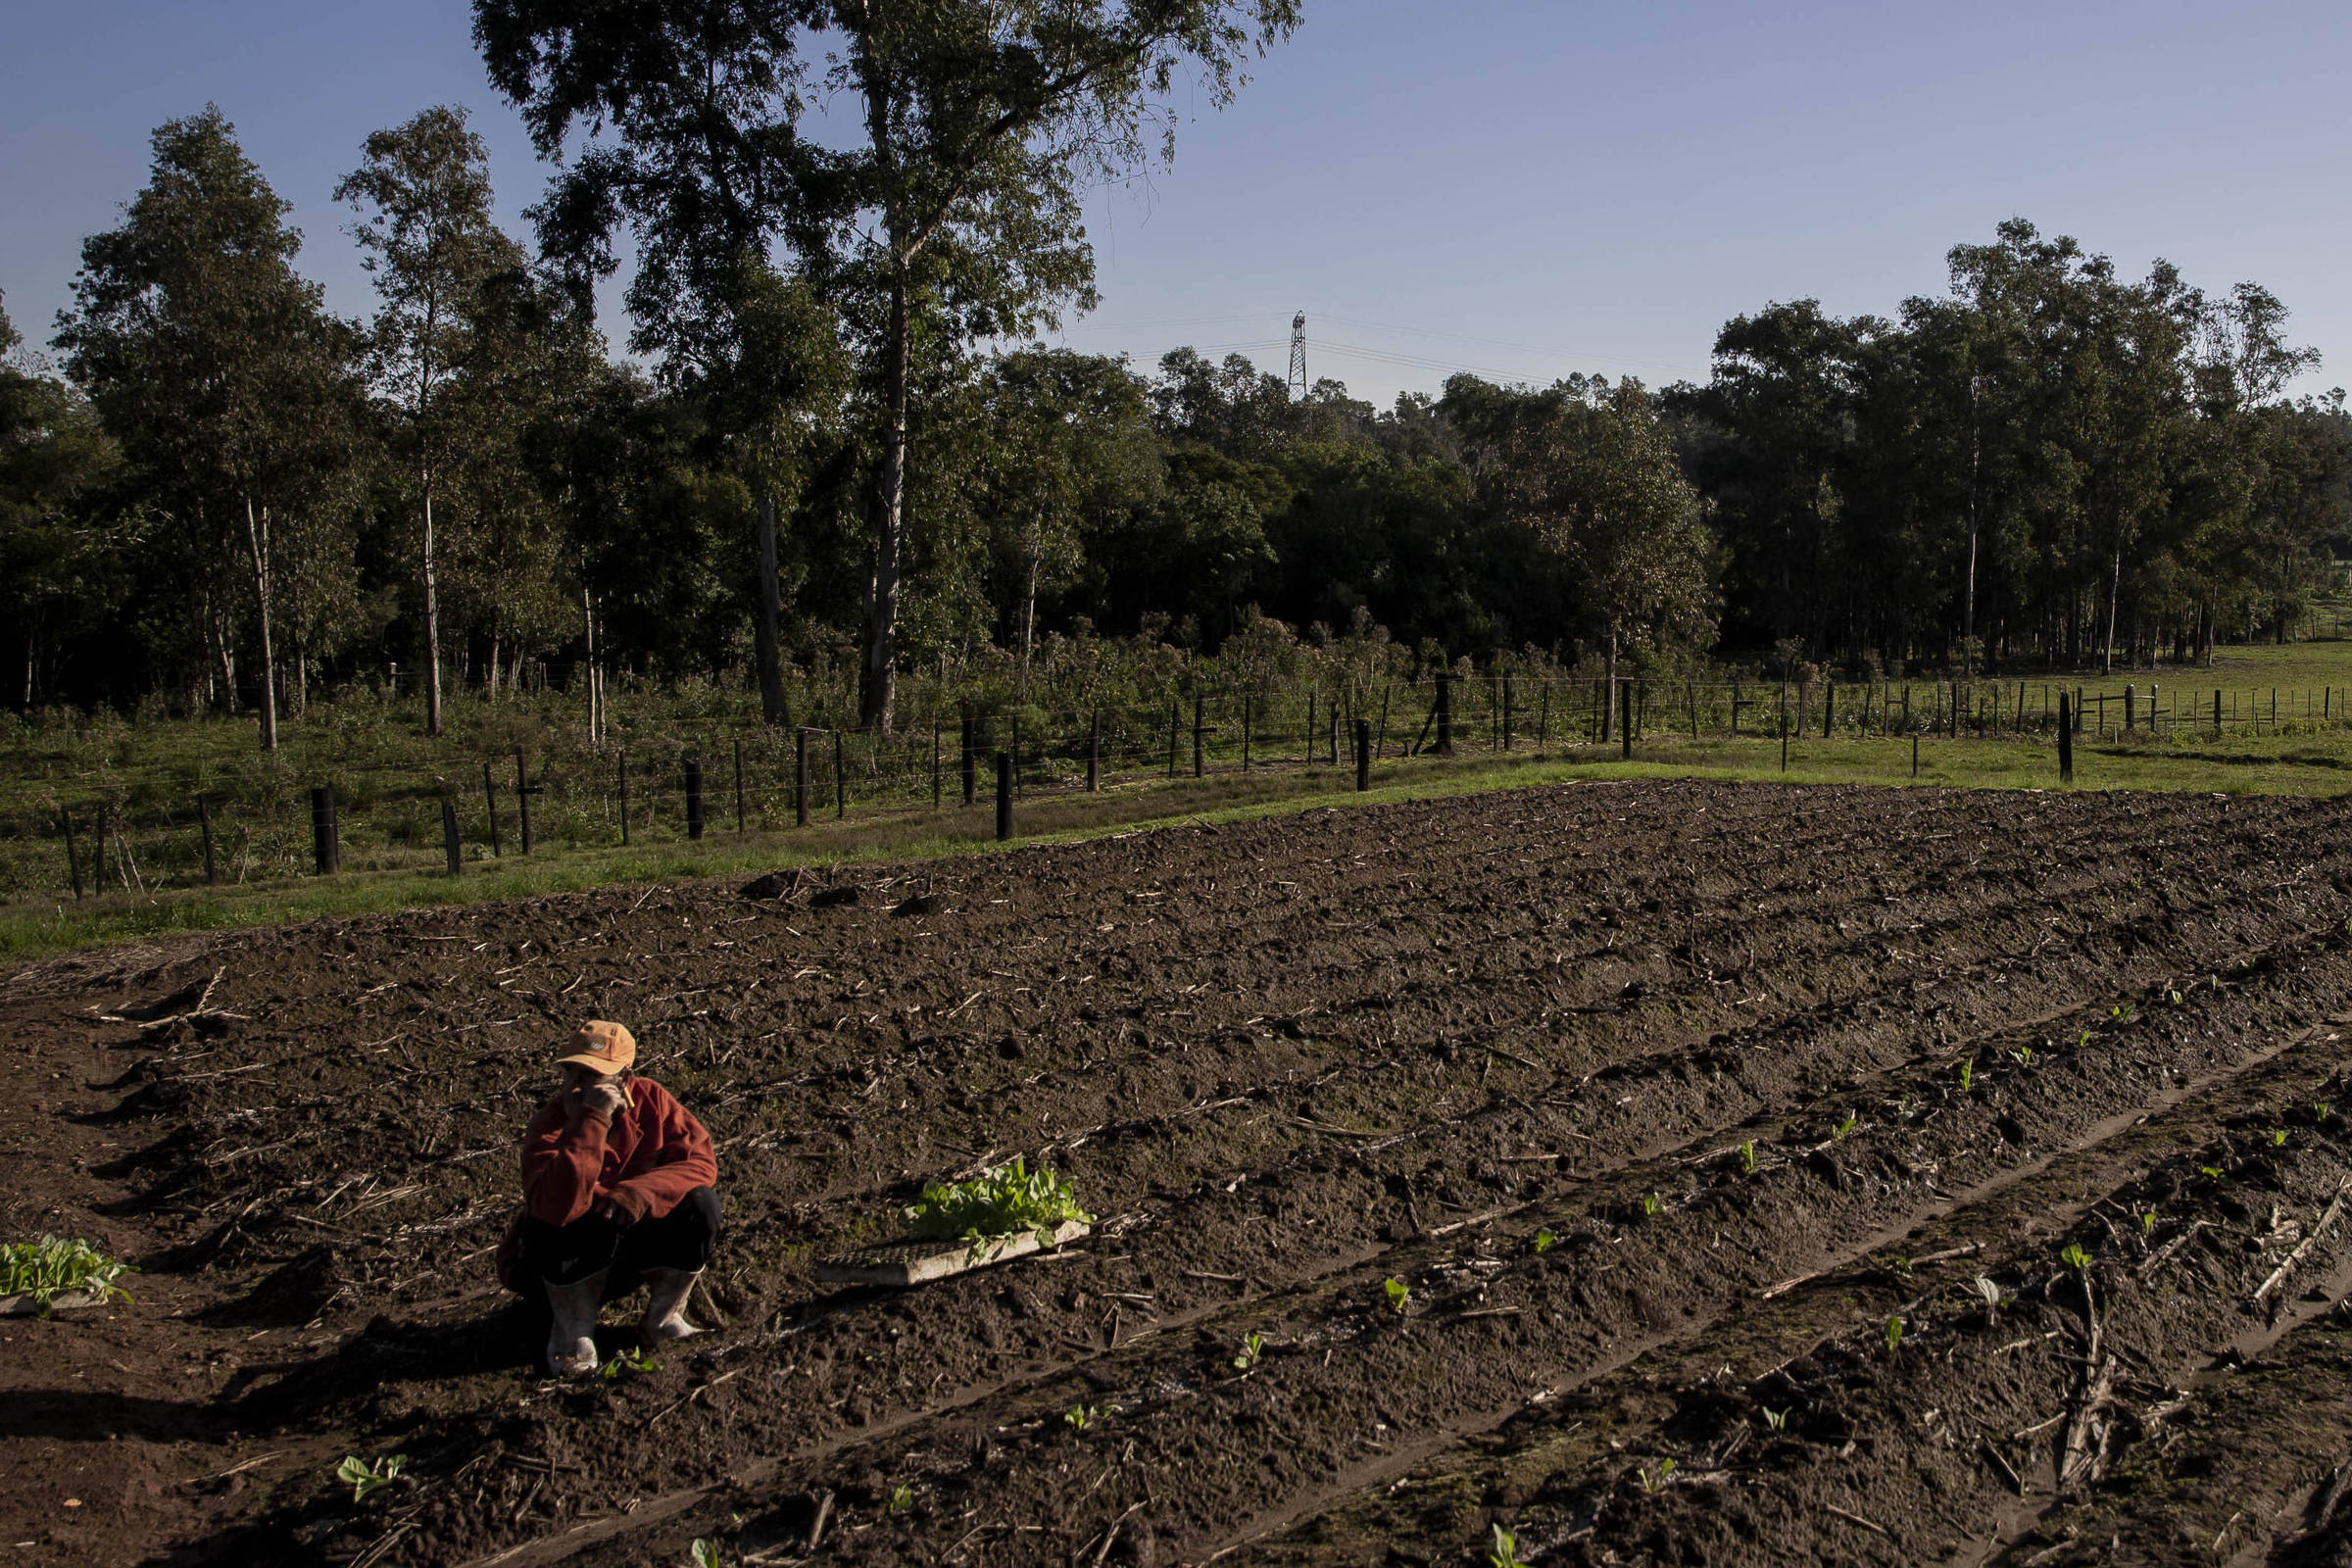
(391, 839)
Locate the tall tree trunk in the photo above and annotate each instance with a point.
(769, 635)
(879, 689)
(1028, 625)
(596, 737)
(256, 538)
(490, 669)
(2115, 585)
(432, 622)
(1968, 615)
(225, 655)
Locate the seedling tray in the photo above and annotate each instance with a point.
(904, 1263)
(30, 1305)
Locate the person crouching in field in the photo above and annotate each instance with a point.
(619, 1186)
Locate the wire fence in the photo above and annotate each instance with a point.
(124, 823)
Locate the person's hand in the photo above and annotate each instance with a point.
(607, 1096)
(612, 1213)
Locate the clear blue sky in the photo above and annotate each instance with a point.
(1513, 186)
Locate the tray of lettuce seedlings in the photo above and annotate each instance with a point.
(1006, 1212)
(53, 1274)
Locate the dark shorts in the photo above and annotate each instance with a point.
(563, 1255)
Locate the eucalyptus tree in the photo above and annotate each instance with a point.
(936, 201)
(1589, 470)
(215, 367)
(54, 551)
(429, 239)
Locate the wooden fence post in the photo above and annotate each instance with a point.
(1306, 750)
(1381, 741)
(72, 860)
(800, 774)
(1444, 714)
(204, 820)
(323, 838)
(2131, 706)
(1175, 726)
(2066, 744)
(841, 781)
(1625, 729)
(694, 799)
(1003, 796)
(1914, 753)
(624, 798)
(971, 764)
(1508, 695)
(1363, 754)
(490, 807)
(1200, 762)
(739, 786)
(449, 832)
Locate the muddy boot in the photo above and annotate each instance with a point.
(665, 1305)
(571, 1342)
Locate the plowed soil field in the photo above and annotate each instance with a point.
(1646, 1172)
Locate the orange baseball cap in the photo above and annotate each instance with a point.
(608, 1048)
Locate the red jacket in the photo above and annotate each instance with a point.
(648, 1159)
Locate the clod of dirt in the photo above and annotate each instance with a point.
(835, 898)
(920, 903)
(774, 885)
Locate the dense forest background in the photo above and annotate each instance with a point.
(215, 495)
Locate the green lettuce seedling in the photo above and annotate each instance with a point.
(367, 1479)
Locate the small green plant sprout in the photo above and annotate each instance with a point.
(2213, 1171)
(1655, 1481)
(1544, 1242)
(1504, 1552)
(2147, 1222)
(55, 1266)
(1081, 1417)
(1747, 1157)
(1650, 1204)
(2319, 1111)
(1845, 1127)
(2075, 1258)
(1778, 1420)
(1894, 1333)
(2278, 1138)
(1988, 1292)
(2023, 1056)
(2081, 1040)
(1252, 1349)
(1399, 1292)
(1967, 1075)
(366, 1479)
(628, 1361)
(704, 1553)
(1003, 1200)
(902, 1498)
(2175, 996)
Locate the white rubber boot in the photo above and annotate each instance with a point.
(665, 1305)
(571, 1342)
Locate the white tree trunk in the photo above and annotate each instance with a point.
(256, 538)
